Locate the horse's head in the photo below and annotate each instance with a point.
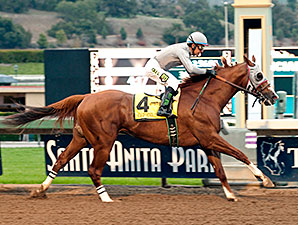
(280, 146)
(258, 83)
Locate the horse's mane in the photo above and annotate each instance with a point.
(195, 78)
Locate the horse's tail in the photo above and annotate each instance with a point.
(65, 108)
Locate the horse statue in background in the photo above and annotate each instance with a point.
(99, 117)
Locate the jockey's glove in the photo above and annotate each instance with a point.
(211, 72)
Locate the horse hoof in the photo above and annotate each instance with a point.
(268, 183)
(108, 201)
(232, 199)
(38, 194)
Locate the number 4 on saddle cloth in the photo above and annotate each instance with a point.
(145, 108)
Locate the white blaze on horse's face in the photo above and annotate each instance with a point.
(258, 83)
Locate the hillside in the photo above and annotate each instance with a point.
(152, 28)
(38, 22)
(35, 21)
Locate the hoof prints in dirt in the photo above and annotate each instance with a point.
(114, 190)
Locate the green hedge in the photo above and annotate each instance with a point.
(10, 137)
(21, 56)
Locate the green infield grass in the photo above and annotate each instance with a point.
(27, 166)
(23, 68)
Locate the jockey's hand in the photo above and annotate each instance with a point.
(211, 72)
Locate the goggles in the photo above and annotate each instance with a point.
(200, 47)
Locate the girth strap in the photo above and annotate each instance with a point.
(173, 131)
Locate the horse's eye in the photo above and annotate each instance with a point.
(259, 76)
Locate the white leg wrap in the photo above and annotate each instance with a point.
(103, 194)
(228, 194)
(255, 170)
(49, 180)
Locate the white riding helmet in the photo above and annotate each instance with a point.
(197, 38)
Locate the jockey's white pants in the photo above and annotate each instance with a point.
(156, 73)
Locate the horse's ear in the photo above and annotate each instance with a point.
(224, 62)
(250, 63)
(217, 65)
(253, 58)
(245, 59)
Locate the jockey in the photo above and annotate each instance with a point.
(172, 56)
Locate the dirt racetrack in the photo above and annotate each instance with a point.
(148, 205)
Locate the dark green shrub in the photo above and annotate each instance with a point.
(21, 56)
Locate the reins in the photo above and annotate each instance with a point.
(257, 95)
(201, 93)
(237, 86)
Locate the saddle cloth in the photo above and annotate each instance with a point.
(145, 107)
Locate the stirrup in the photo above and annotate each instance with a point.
(165, 112)
(165, 108)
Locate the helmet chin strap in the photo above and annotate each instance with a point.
(193, 48)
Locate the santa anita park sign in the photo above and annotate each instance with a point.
(131, 157)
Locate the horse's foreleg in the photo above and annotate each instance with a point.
(101, 155)
(221, 145)
(214, 159)
(259, 174)
(76, 144)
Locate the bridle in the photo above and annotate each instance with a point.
(250, 88)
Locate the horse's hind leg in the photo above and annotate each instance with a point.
(214, 159)
(77, 143)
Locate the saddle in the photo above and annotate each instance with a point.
(145, 107)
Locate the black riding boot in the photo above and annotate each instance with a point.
(165, 108)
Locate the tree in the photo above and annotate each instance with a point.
(174, 34)
(91, 35)
(13, 35)
(151, 7)
(61, 37)
(279, 34)
(139, 34)
(123, 33)
(72, 11)
(123, 8)
(285, 19)
(47, 5)
(15, 6)
(205, 22)
(42, 41)
(80, 17)
(292, 4)
(104, 32)
(68, 28)
(157, 8)
(192, 6)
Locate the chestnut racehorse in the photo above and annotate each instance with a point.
(99, 117)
